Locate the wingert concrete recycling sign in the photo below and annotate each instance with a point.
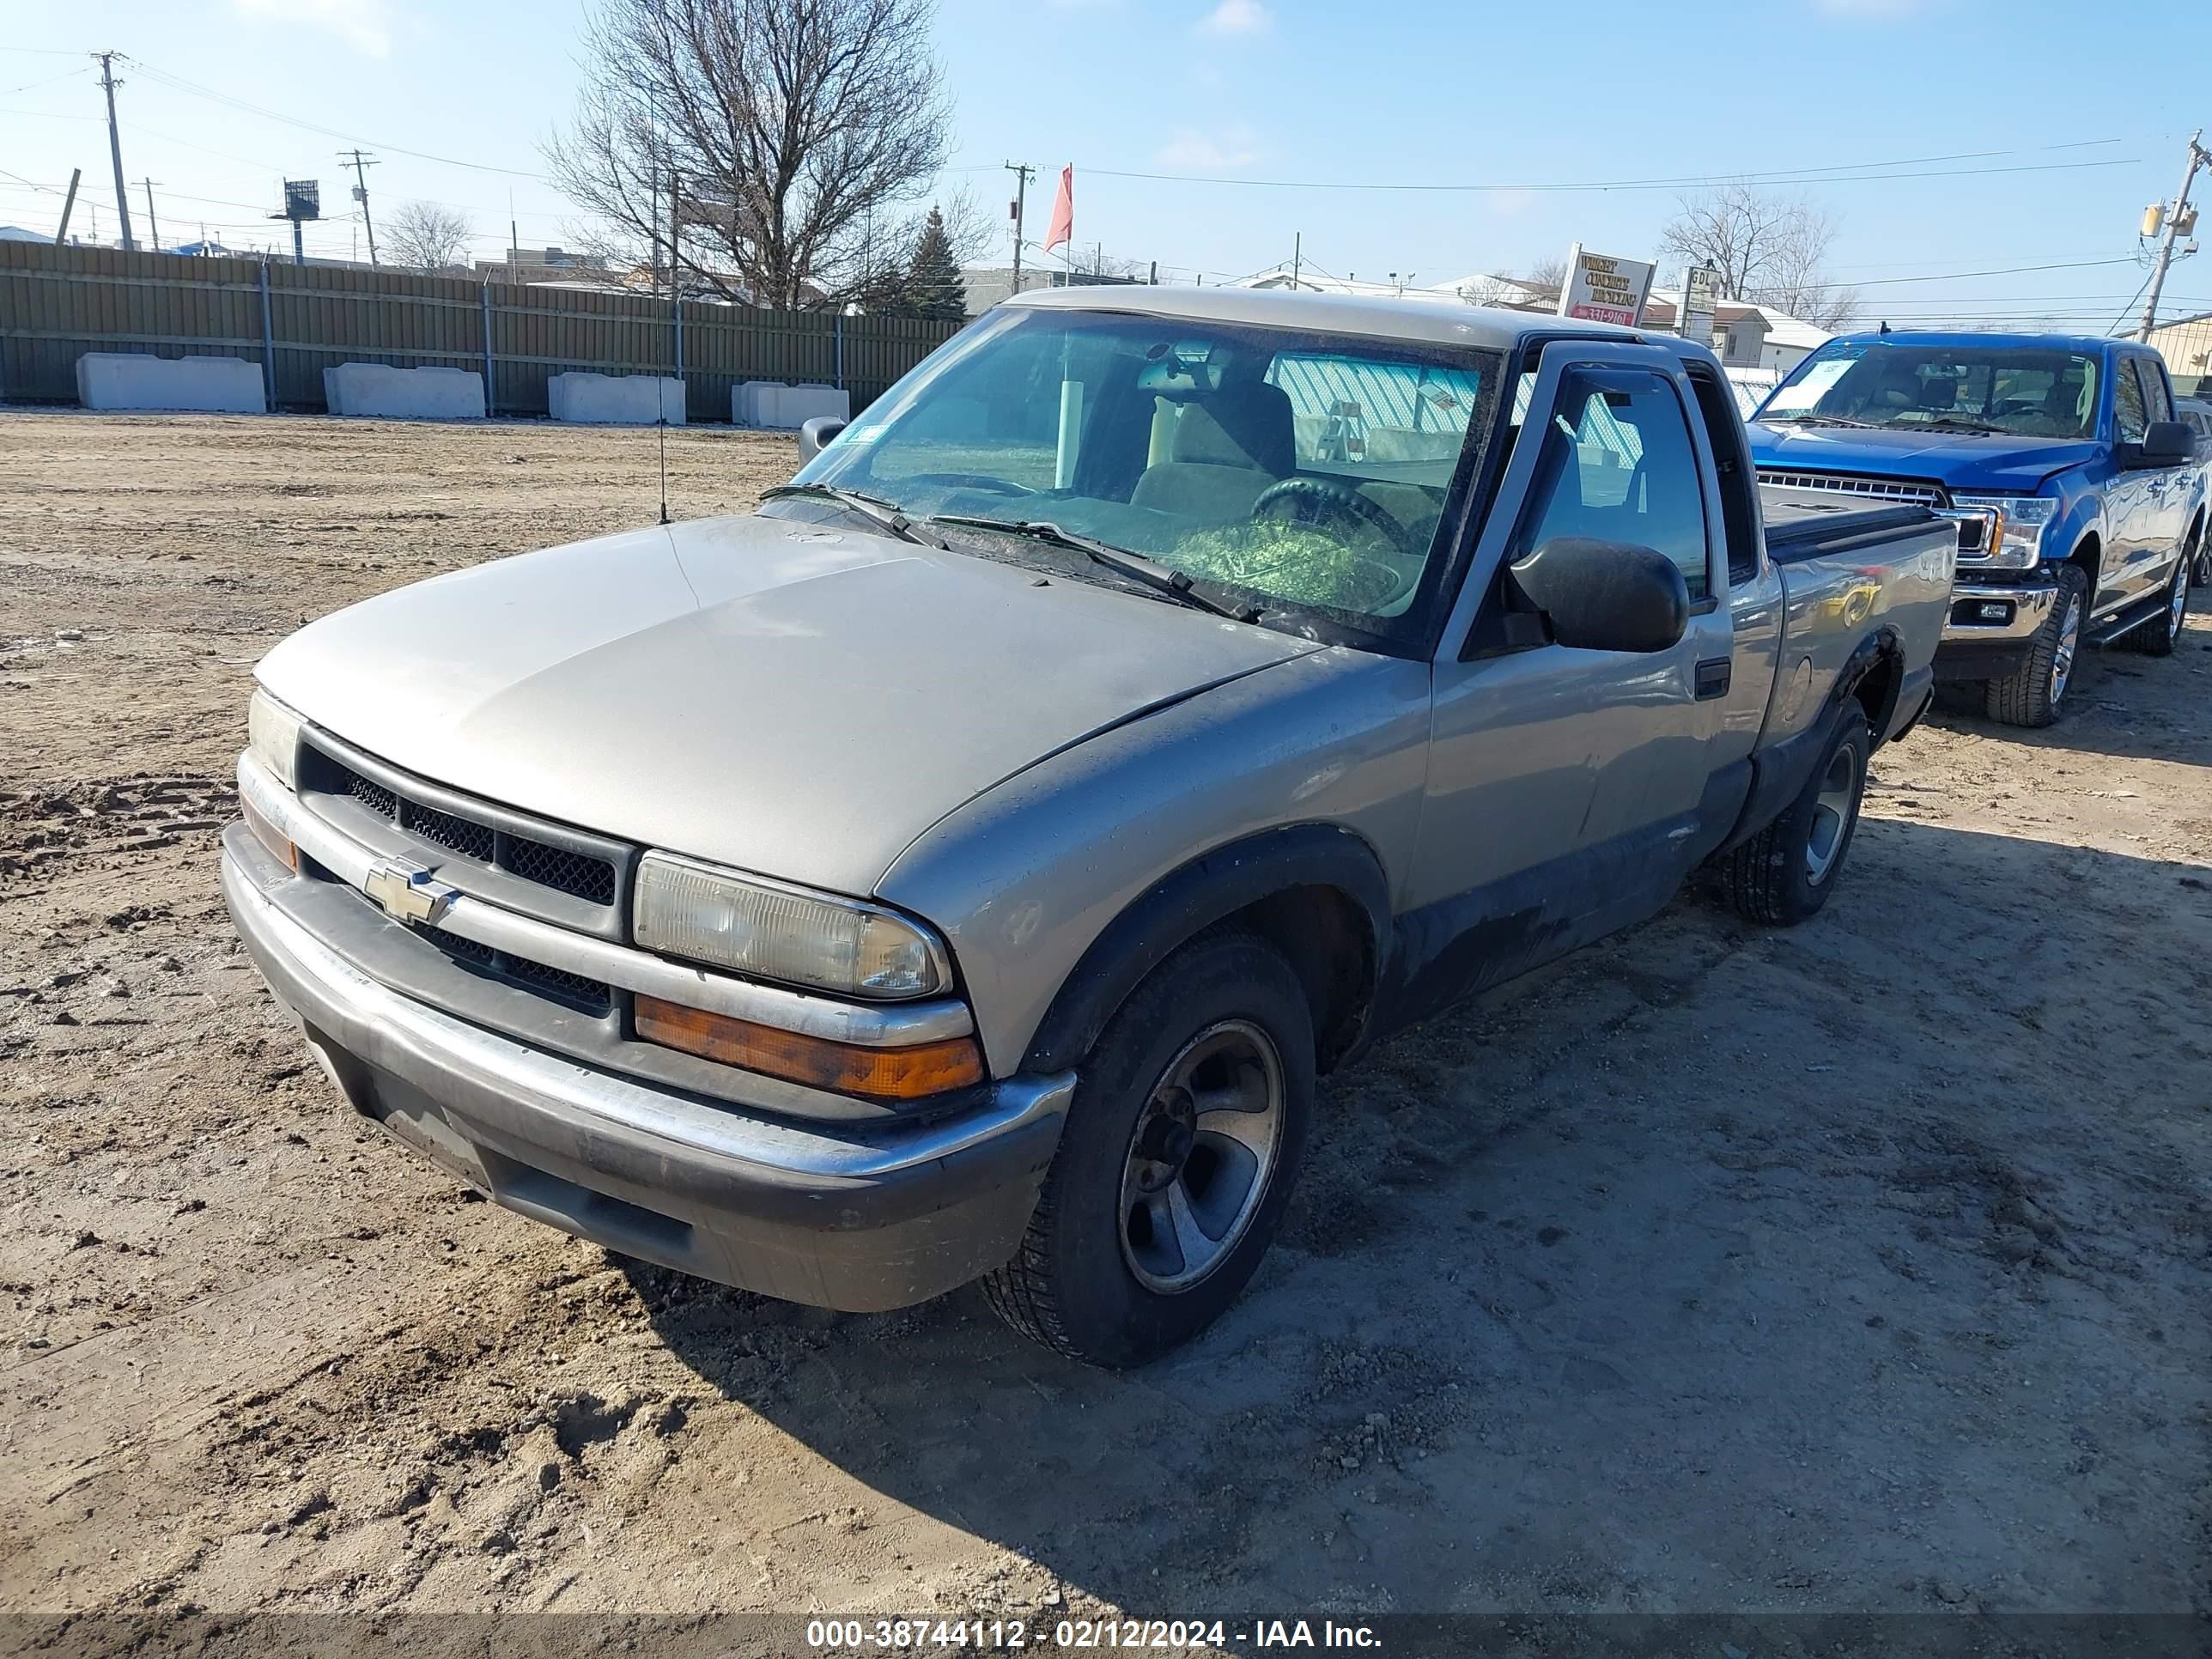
(1602, 289)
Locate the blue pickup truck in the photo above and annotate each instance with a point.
(2078, 496)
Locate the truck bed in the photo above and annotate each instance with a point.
(1804, 525)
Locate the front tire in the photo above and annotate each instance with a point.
(1180, 1151)
(2033, 694)
(1783, 874)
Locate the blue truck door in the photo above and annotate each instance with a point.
(2171, 492)
(2134, 499)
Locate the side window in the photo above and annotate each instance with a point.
(2158, 403)
(1617, 466)
(1732, 466)
(2127, 404)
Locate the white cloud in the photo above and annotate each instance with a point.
(364, 24)
(1237, 17)
(1189, 149)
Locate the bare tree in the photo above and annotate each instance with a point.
(765, 148)
(1550, 275)
(425, 237)
(1768, 249)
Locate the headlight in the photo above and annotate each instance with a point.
(778, 933)
(272, 732)
(2014, 540)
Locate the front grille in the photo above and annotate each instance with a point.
(578, 874)
(590, 996)
(586, 876)
(477, 841)
(1910, 491)
(375, 796)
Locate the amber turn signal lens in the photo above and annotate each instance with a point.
(271, 837)
(847, 1068)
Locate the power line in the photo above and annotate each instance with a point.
(29, 86)
(178, 83)
(1847, 173)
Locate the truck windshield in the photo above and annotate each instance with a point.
(2032, 391)
(1279, 470)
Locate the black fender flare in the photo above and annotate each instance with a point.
(1878, 647)
(1193, 897)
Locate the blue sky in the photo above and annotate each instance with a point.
(2090, 125)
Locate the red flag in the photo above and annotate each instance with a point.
(1063, 227)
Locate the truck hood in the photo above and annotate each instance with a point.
(1957, 460)
(795, 699)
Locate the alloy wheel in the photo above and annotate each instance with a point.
(2069, 639)
(1832, 815)
(1204, 1150)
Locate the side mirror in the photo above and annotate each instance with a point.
(2166, 443)
(1605, 596)
(814, 435)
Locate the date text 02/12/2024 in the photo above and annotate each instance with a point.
(1007, 1635)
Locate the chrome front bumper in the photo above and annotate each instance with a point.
(2025, 609)
(837, 1215)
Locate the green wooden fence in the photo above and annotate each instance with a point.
(57, 303)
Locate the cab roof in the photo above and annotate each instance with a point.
(2088, 345)
(1423, 322)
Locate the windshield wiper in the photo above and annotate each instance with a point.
(1817, 420)
(1948, 424)
(1134, 566)
(875, 508)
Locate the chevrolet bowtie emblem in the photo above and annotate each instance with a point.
(408, 892)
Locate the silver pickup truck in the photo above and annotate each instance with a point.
(964, 867)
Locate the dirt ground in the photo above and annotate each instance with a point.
(1864, 1267)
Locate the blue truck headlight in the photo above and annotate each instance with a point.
(2013, 538)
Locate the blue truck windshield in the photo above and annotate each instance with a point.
(2031, 391)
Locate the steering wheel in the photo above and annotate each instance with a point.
(1315, 500)
(969, 481)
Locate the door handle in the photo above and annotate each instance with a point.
(1713, 678)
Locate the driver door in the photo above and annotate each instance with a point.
(1568, 789)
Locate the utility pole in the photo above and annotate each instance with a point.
(2175, 220)
(153, 227)
(115, 144)
(1021, 170)
(360, 194)
(68, 202)
(1298, 256)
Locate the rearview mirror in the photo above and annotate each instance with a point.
(1605, 596)
(814, 435)
(2166, 443)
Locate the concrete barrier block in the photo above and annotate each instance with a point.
(787, 407)
(801, 404)
(132, 380)
(616, 399)
(403, 394)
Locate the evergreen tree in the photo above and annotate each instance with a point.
(934, 288)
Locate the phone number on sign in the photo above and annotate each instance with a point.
(1010, 1634)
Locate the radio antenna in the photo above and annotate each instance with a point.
(663, 424)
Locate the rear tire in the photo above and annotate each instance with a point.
(1223, 1020)
(1783, 874)
(2158, 636)
(2033, 694)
